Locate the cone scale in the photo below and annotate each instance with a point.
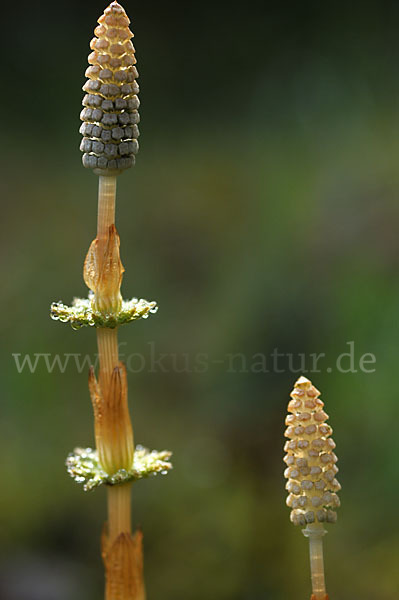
(110, 114)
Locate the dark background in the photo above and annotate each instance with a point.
(262, 214)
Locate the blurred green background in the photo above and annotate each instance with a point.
(263, 216)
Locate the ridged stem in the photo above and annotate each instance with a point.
(315, 533)
(119, 515)
(106, 205)
(119, 520)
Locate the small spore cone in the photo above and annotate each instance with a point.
(110, 116)
(310, 459)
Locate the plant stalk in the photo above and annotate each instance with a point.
(106, 205)
(119, 520)
(118, 497)
(315, 533)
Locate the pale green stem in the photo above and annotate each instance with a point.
(315, 533)
(106, 205)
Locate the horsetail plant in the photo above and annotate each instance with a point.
(110, 132)
(311, 470)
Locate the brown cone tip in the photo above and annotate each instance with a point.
(110, 117)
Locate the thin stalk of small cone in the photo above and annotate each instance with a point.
(315, 533)
(317, 567)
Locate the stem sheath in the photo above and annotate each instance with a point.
(107, 342)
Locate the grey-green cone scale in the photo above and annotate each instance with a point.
(110, 114)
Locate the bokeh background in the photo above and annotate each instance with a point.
(263, 216)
